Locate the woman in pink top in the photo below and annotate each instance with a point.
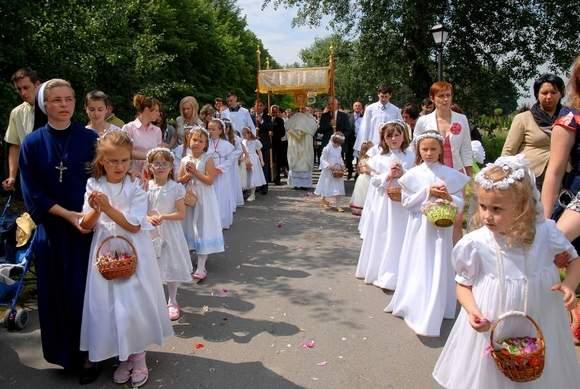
(454, 128)
(144, 133)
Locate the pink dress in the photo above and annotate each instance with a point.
(144, 139)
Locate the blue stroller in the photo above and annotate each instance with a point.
(14, 265)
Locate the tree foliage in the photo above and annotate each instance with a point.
(165, 48)
(494, 46)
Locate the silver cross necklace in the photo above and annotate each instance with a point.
(62, 154)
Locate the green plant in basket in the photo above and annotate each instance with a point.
(440, 212)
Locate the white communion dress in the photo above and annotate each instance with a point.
(328, 185)
(367, 212)
(381, 248)
(174, 260)
(425, 290)
(255, 177)
(124, 316)
(202, 225)
(482, 260)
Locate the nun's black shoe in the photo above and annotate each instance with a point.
(90, 374)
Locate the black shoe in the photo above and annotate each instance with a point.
(90, 374)
(277, 183)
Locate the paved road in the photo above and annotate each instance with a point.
(285, 283)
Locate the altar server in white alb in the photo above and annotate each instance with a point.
(507, 265)
(331, 182)
(375, 114)
(238, 115)
(121, 318)
(425, 290)
(381, 249)
(300, 129)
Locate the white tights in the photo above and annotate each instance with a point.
(201, 260)
(172, 292)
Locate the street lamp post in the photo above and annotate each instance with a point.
(440, 36)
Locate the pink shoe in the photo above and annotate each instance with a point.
(174, 312)
(123, 372)
(139, 375)
(200, 275)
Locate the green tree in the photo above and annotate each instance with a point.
(499, 41)
(165, 48)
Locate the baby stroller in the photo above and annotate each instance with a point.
(16, 240)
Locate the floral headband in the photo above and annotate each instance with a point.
(428, 134)
(516, 168)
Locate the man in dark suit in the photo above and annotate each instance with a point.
(279, 144)
(335, 120)
(263, 123)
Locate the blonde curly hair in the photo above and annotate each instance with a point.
(523, 228)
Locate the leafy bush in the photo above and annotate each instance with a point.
(493, 145)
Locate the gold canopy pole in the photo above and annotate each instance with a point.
(258, 67)
(331, 65)
(269, 93)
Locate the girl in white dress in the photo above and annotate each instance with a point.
(202, 226)
(121, 317)
(367, 213)
(361, 186)
(255, 158)
(385, 235)
(425, 291)
(234, 171)
(166, 214)
(506, 265)
(330, 188)
(221, 151)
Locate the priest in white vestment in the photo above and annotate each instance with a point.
(301, 128)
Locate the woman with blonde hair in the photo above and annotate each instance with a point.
(188, 108)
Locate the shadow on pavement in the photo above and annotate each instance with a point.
(179, 371)
(219, 326)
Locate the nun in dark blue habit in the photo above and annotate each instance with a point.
(54, 167)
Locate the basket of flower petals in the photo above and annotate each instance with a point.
(521, 359)
(116, 258)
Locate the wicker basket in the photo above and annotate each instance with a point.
(394, 192)
(441, 214)
(338, 173)
(115, 264)
(248, 165)
(523, 367)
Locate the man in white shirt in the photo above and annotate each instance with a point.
(238, 115)
(376, 113)
(21, 120)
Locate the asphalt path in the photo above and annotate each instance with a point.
(280, 309)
